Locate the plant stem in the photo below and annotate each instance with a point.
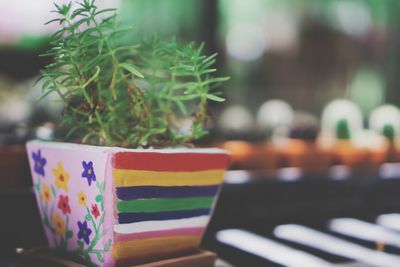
(92, 220)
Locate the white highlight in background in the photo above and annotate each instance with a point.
(246, 41)
(365, 231)
(391, 221)
(313, 238)
(268, 249)
(27, 17)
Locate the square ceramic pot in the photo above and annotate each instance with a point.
(111, 206)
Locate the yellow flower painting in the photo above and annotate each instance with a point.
(59, 224)
(82, 198)
(61, 177)
(46, 193)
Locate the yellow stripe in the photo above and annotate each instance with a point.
(143, 178)
(162, 246)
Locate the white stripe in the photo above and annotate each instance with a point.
(391, 221)
(365, 231)
(269, 249)
(130, 228)
(313, 238)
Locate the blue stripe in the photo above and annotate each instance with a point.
(132, 217)
(143, 192)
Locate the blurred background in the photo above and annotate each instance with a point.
(311, 118)
(306, 52)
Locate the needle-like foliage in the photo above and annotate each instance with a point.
(129, 95)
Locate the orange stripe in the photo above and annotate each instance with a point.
(162, 246)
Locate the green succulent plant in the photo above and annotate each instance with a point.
(389, 132)
(343, 130)
(126, 94)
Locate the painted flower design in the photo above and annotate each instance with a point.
(63, 204)
(84, 232)
(39, 162)
(58, 224)
(46, 193)
(82, 198)
(88, 172)
(61, 177)
(95, 211)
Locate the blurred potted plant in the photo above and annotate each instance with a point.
(384, 121)
(104, 204)
(299, 148)
(343, 150)
(342, 135)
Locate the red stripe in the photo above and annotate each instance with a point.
(153, 161)
(162, 233)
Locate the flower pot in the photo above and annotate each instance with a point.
(251, 156)
(304, 155)
(345, 153)
(109, 205)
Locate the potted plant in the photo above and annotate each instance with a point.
(125, 195)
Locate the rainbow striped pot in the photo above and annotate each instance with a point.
(111, 206)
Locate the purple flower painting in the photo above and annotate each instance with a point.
(39, 162)
(84, 232)
(88, 172)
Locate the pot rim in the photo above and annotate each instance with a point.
(67, 145)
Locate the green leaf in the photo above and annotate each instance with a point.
(181, 106)
(101, 44)
(118, 31)
(44, 95)
(71, 132)
(88, 217)
(132, 69)
(209, 61)
(41, 77)
(37, 187)
(53, 190)
(51, 21)
(100, 257)
(80, 244)
(69, 234)
(188, 97)
(105, 10)
(99, 198)
(108, 245)
(46, 84)
(46, 221)
(131, 48)
(93, 78)
(101, 186)
(87, 257)
(216, 80)
(207, 71)
(215, 98)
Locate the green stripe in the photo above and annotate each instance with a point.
(164, 204)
